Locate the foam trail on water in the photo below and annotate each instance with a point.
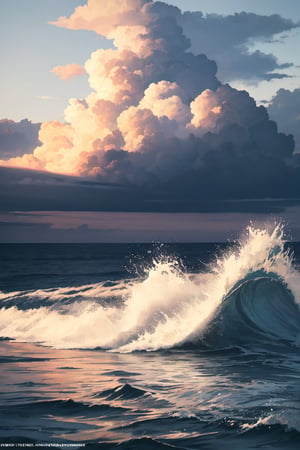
(166, 308)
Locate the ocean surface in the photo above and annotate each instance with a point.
(182, 346)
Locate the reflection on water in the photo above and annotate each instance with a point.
(174, 396)
(224, 371)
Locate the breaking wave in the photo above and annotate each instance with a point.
(248, 295)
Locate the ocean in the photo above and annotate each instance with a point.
(151, 346)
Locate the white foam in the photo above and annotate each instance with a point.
(162, 310)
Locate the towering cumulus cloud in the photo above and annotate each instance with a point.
(157, 114)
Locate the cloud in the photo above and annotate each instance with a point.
(225, 39)
(285, 109)
(105, 19)
(68, 71)
(46, 97)
(31, 190)
(228, 40)
(158, 119)
(17, 137)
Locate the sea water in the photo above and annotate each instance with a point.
(143, 346)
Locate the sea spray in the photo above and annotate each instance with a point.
(260, 252)
(165, 308)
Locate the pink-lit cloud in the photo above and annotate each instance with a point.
(68, 71)
(156, 112)
(46, 97)
(105, 18)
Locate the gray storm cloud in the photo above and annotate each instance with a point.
(157, 115)
(230, 41)
(285, 109)
(17, 137)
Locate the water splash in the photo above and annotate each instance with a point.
(166, 308)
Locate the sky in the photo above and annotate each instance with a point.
(148, 121)
(31, 47)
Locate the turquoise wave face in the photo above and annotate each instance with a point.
(249, 293)
(258, 309)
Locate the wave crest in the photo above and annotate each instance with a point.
(249, 293)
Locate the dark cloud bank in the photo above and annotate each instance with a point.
(25, 190)
(285, 109)
(228, 40)
(17, 138)
(175, 136)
